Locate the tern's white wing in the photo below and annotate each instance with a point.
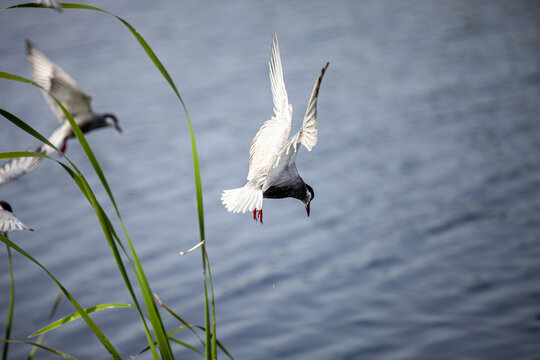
(284, 164)
(51, 3)
(60, 85)
(272, 136)
(15, 168)
(9, 222)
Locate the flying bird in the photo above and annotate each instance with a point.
(8, 221)
(272, 158)
(55, 82)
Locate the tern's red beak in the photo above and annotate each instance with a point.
(118, 128)
(307, 209)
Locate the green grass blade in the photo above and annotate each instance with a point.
(105, 223)
(219, 344)
(76, 315)
(49, 318)
(192, 329)
(169, 333)
(16, 154)
(214, 336)
(24, 126)
(186, 345)
(11, 304)
(196, 169)
(49, 349)
(99, 334)
(179, 318)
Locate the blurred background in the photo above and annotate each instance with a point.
(423, 240)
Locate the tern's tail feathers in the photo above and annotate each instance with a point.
(240, 200)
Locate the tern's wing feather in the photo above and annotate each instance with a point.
(59, 84)
(55, 4)
(307, 135)
(9, 222)
(274, 133)
(17, 167)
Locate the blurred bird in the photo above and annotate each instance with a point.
(55, 4)
(272, 159)
(8, 221)
(57, 83)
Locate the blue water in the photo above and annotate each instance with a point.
(424, 235)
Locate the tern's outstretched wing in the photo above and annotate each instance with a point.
(307, 136)
(17, 167)
(56, 82)
(272, 136)
(9, 222)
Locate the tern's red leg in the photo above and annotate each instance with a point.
(260, 216)
(255, 214)
(64, 146)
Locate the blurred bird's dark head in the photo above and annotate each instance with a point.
(100, 121)
(111, 120)
(5, 206)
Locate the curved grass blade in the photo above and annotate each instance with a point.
(179, 318)
(173, 340)
(49, 318)
(99, 334)
(76, 315)
(11, 304)
(49, 349)
(16, 154)
(186, 345)
(191, 328)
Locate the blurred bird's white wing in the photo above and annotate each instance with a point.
(272, 136)
(59, 84)
(55, 4)
(15, 168)
(9, 222)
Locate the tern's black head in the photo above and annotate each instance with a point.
(111, 120)
(101, 120)
(4, 205)
(310, 189)
(309, 196)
